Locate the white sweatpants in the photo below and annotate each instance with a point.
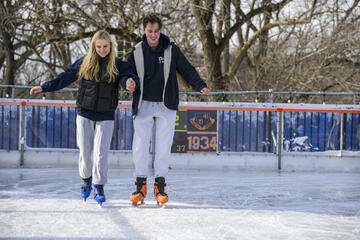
(94, 139)
(143, 125)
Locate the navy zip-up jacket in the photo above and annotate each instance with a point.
(179, 64)
(71, 75)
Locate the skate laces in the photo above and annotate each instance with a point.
(160, 184)
(99, 190)
(139, 183)
(86, 185)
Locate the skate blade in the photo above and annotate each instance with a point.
(135, 204)
(161, 205)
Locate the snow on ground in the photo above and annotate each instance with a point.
(46, 204)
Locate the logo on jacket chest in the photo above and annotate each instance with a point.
(161, 60)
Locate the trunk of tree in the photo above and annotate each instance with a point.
(225, 60)
(9, 70)
(215, 78)
(212, 55)
(258, 70)
(212, 61)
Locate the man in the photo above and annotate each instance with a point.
(156, 60)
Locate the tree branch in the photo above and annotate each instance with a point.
(238, 59)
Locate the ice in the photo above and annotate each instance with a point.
(203, 204)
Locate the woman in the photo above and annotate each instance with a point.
(100, 74)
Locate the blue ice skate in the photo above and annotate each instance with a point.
(99, 194)
(86, 188)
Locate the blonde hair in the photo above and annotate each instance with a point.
(90, 66)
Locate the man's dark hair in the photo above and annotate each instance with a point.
(152, 18)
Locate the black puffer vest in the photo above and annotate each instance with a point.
(98, 96)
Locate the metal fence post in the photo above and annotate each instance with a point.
(341, 134)
(279, 136)
(217, 132)
(22, 132)
(153, 142)
(271, 96)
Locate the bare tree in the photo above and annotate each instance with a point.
(244, 45)
(253, 22)
(13, 51)
(321, 56)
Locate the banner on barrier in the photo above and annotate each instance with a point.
(195, 131)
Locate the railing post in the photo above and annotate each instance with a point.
(271, 96)
(341, 134)
(22, 132)
(217, 132)
(153, 142)
(354, 99)
(279, 135)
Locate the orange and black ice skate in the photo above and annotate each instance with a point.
(140, 193)
(159, 191)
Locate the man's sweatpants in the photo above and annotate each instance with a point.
(94, 139)
(143, 125)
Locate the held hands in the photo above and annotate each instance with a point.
(205, 91)
(130, 85)
(36, 89)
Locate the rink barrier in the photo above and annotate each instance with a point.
(324, 129)
(319, 124)
(53, 125)
(241, 129)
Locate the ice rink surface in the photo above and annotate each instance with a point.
(46, 204)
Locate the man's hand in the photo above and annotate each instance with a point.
(205, 91)
(130, 84)
(36, 89)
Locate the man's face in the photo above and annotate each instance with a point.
(152, 33)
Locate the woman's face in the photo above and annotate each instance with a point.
(102, 47)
